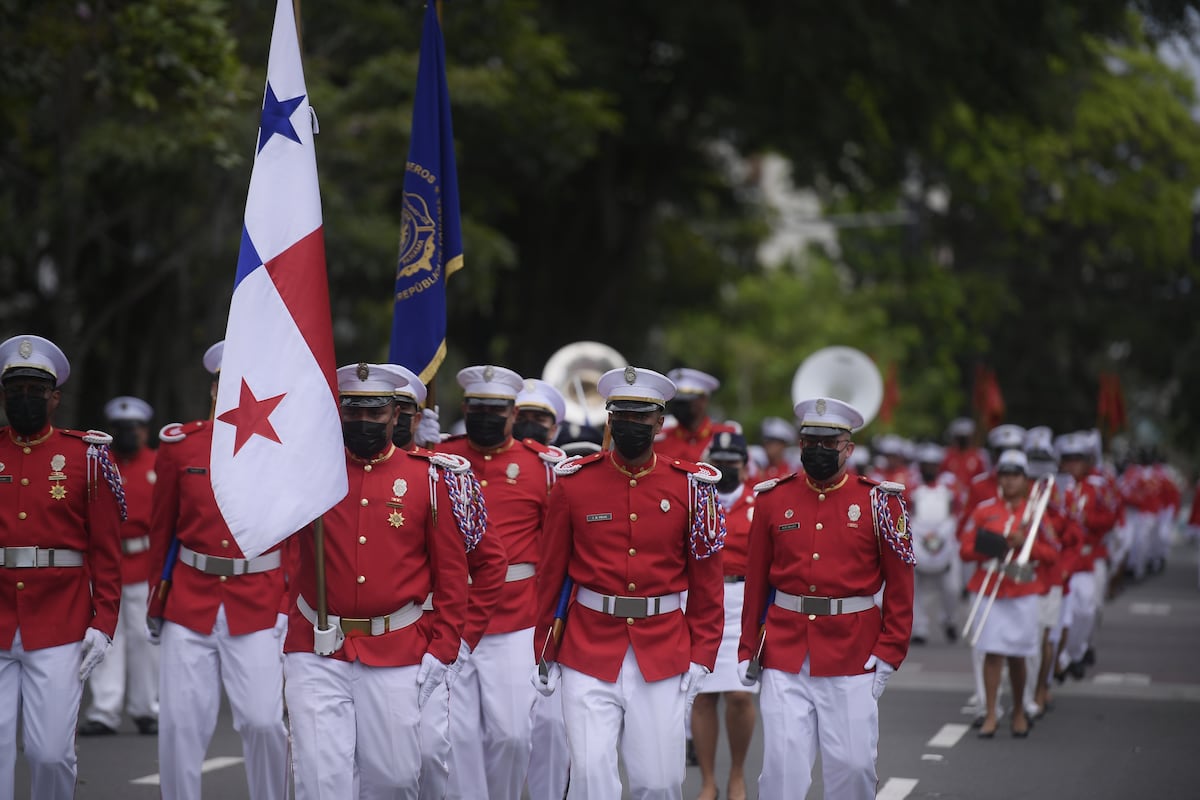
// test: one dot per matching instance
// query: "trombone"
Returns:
(1019, 570)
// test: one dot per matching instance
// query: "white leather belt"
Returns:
(428, 604)
(632, 607)
(217, 565)
(518, 572)
(374, 626)
(23, 557)
(822, 606)
(135, 544)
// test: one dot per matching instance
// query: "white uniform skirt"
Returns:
(724, 677)
(1011, 628)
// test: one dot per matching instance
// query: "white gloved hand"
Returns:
(431, 674)
(691, 682)
(742, 668)
(547, 686)
(429, 431)
(456, 668)
(95, 647)
(281, 625)
(154, 630)
(883, 671)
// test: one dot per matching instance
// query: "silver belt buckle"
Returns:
(20, 557)
(820, 606)
(215, 565)
(631, 607)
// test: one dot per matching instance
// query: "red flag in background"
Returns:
(1110, 403)
(987, 401)
(891, 395)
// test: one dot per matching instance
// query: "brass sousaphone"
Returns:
(574, 370)
(842, 373)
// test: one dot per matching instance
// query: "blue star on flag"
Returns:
(277, 117)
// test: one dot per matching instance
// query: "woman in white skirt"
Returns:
(1010, 632)
(728, 452)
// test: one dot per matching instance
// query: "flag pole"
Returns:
(431, 387)
(319, 523)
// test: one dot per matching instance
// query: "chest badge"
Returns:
(58, 491)
(512, 471)
(1, 466)
(853, 512)
(789, 514)
(665, 505)
(399, 487)
(151, 477)
(396, 519)
(57, 462)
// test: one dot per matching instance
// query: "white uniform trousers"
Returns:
(800, 712)
(1141, 524)
(940, 590)
(130, 670)
(643, 720)
(435, 745)
(349, 720)
(1082, 599)
(549, 759)
(193, 669)
(45, 683)
(490, 705)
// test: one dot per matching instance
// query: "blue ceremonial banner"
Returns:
(431, 232)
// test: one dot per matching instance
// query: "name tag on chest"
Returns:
(791, 526)
(599, 517)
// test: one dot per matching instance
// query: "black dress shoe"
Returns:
(147, 726)
(93, 727)
(1076, 670)
(951, 633)
(918, 640)
(1089, 658)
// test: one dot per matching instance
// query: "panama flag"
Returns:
(277, 455)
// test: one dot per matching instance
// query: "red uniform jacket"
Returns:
(983, 486)
(677, 441)
(385, 548)
(964, 464)
(1093, 504)
(805, 541)
(184, 508)
(46, 501)
(622, 533)
(516, 481)
(137, 476)
(995, 515)
(736, 553)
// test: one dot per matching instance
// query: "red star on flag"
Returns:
(252, 416)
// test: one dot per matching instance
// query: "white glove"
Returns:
(883, 671)
(154, 630)
(329, 640)
(456, 668)
(553, 675)
(742, 667)
(691, 682)
(429, 431)
(431, 674)
(95, 647)
(281, 622)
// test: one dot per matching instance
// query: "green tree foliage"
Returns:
(593, 145)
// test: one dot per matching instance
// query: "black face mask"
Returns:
(730, 478)
(365, 439)
(484, 429)
(125, 439)
(27, 414)
(632, 439)
(819, 464)
(402, 434)
(531, 429)
(682, 411)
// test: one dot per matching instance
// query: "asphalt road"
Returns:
(1128, 729)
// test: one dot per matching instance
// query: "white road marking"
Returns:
(220, 762)
(1122, 679)
(948, 736)
(1150, 609)
(896, 789)
(932, 757)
